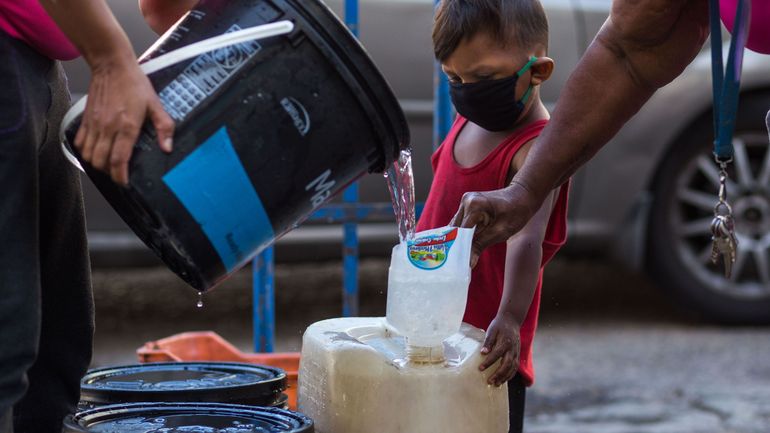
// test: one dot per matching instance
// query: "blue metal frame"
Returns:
(350, 196)
(443, 111)
(349, 213)
(442, 105)
(263, 302)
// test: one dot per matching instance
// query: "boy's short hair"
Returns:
(520, 21)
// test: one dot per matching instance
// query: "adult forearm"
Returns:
(601, 95)
(92, 27)
(120, 96)
(644, 45)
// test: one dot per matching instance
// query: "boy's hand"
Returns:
(502, 342)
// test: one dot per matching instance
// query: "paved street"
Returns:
(612, 354)
(615, 377)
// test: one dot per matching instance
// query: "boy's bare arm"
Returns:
(120, 96)
(522, 269)
(642, 46)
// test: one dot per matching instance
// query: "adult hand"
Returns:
(502, 342)
(120, 98)
(497, 215)
(162, 14)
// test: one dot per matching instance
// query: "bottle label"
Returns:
(431, 252)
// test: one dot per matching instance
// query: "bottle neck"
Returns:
(425, 355)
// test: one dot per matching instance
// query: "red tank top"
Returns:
(450, 182)
(28, 21)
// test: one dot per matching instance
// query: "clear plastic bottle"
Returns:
(428, 286)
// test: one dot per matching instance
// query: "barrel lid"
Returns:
(187, 417)
(225, 382)
(282, 401)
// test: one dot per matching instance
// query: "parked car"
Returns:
(645, 200)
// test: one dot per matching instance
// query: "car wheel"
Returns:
(680, 238)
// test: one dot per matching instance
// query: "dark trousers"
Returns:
(516, 396)
(46, 305)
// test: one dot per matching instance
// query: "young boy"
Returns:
(493, 52)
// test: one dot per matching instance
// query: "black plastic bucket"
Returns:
(186, 417)
(205, 382)
(266, 132)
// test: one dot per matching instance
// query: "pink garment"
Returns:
(759, 32)
(28, 21)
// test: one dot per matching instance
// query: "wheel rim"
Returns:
(749, 193)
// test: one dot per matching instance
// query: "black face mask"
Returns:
(491, 104)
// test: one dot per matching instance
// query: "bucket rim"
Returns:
(360, 61)
(270, 387)
(294, 422)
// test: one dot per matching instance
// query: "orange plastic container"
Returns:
(210, 346)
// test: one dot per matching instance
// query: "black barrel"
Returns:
(212, 382)
(266, 132)
(186, 417)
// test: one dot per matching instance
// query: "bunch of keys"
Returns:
(725, 243)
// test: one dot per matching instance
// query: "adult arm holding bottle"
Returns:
(120, 97)
(643, 45)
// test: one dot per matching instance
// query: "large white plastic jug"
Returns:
(354, 378)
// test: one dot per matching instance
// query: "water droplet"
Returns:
(200, 300)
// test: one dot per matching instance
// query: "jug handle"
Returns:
(255, 33)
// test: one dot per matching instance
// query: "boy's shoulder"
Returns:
(526, 139)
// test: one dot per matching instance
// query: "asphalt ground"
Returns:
(612, 353)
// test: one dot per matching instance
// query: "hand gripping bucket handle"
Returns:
(267, 131)
(173, 57)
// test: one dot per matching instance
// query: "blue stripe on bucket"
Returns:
(214, 187)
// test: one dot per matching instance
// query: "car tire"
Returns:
(685, 192)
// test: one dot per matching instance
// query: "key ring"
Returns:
(723, 183)
(722, 203)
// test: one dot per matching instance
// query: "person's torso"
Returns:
(28, 21)
(450, 182)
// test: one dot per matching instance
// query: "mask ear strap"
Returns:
(526, 67)
(526, 95)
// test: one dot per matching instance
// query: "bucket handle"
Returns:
(181, 54)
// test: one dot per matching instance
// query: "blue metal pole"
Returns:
(350, 245)
(263, 303)
(350, 262)
(351, 16)
(256, 300)
(442, 116)
(443, 112)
